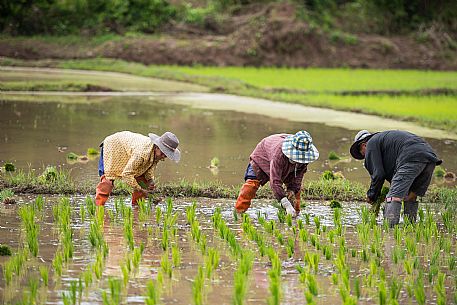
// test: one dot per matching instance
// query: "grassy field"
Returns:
(329, 79)
(313, 87)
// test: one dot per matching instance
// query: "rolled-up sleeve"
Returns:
(276, 167)
(294, 180)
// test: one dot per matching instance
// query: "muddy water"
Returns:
(36, 131)
(178, 289)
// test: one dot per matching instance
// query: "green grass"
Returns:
(311, 87)
(50, 86)
(433, 110)
(328, 79)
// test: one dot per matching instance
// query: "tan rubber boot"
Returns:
(103, 191)
(247, 192)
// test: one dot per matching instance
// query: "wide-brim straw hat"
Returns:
(361, 136)
(300, 148)
(168, 144)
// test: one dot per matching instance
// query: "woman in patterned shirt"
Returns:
(133, 158)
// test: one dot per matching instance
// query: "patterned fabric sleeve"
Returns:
(293, 182)
(276, 167)
(128, 175)
(149, 174)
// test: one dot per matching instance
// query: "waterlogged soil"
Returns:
(219, 289)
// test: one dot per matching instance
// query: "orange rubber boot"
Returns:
(247, 192)
(139, 195)
(297, 202)
(103, 190)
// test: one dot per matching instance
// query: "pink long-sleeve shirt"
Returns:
(270, 164)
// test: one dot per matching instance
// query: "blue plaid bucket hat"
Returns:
(300, 148)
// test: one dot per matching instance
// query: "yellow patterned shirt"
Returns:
(127, 155)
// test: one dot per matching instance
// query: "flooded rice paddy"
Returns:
(37, 131)
(198, 252)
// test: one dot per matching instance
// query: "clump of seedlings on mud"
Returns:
(7, 196)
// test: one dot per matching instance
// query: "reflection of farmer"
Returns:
(133, 158)
(403, 159)
(280, 159)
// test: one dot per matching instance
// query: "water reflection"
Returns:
(40, 133)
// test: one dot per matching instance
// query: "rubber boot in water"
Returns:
(103, 190)
(392, 212)
(410, 210)
(247, 193)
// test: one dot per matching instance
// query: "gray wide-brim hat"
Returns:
(300, 148)
(361, 136)
(168, 144)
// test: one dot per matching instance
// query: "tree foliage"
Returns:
(60, 17)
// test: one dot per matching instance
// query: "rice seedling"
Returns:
(165, 265)
(87, 276)
(419, 291)
(197, 287)
(328, 175)
(164, 240)
(95, 234)
(224, 231)
(38, 204)
(335, 204)
(114, 296)
(82, 213)
(92, 151)
(317, 223)
(27, 214)
(137, 253)
(72, 156)
(176, 256)
(241, 277)
(214, 162)
(128, 228)
(289, 220)
(97, 267)
(290, 247)
(158, 214)
(439, 171)
(274, 278)
(211, 261)
(152, 293)
(5, 250)
(9, 167)
(281, 215)
(125, 274)
(57, 263)
(7, 196)
(90, 206)
(44, 272)
(333, 156)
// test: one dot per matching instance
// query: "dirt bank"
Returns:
(263, 36)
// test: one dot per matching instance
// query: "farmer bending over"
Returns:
(403, 159)
(133, 158)
(280, 159)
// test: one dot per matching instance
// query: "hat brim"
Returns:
(304, 157)
(174, 155)
(355, 150)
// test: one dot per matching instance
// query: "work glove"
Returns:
(294, 198)
(285, 203)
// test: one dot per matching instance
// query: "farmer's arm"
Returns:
(294, 180)
(276, 166)
(374, 165)
(149, 174)
(130, 171)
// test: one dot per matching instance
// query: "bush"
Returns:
(74, 16)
